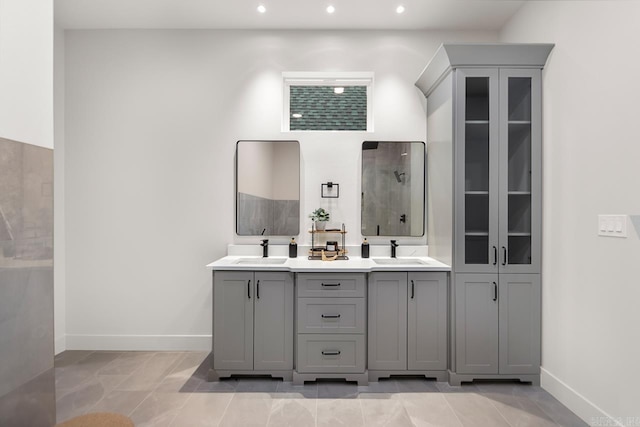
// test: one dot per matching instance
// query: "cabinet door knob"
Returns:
(258, 289)
(330, 285)
(413, 289)
(504, 255)
(330, 316)
(330, 352)
(495, 255)
(249, 289)
(495, 291)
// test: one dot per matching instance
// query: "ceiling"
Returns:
(285, 14)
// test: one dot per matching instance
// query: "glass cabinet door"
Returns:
(519, 170)
(477, 172)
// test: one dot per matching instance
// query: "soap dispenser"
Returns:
(293, 248)
(365, 248)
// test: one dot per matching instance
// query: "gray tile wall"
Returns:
(27, 383)
(384, 199)
(278, 217)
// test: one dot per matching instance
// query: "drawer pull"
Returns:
(331, 352)
(330, 316)
(331, 285)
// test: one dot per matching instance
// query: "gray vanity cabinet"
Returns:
(252, 323)
(484, 124)
(387, 324)
(498, 170)
(497, 324)
(476, 323)
(407, 324)
(331, 327)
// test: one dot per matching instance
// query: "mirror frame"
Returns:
(424, 191)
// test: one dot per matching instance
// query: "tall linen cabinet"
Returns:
(484, 142)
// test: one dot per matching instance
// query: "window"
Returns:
(328, 102)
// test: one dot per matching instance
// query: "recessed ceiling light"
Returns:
(331, 9)
(262, 9)
(400, 9)
(338, 89)
(296, 115)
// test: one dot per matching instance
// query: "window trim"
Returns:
(313, 78)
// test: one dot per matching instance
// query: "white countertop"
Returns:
(302, 264)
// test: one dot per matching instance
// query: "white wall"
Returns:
(59, 277)
(255, 160)
(591, 151)
(285, 167)
(152, 118)
(26, 77)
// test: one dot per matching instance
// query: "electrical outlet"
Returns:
(612, 225)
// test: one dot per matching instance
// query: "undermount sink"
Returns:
(402, 261)
(268, 261)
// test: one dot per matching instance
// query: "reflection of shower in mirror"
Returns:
(393, 197)
(398, 176)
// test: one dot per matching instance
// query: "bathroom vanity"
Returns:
(357, 319)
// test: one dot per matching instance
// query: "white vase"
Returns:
(320, 225)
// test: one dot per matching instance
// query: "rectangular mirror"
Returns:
(392, 201)
(267, 188)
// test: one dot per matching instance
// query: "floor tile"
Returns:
(70, 357)
(520, 411)
(444, 387)
(182, 378)
(556, 410)
(286, 388)
(257, 385)
(72, 375)
(248, 409)
(151, 372)
(202, 410)
(382, 386)
(163, 389)
(429, 409)
(223, 386)
(127, 363)
(474, 410)
(120, 402)
(159, 409)
(337, 390)
(416, 385)
(79, 400)
(293, 412)
(506, 387)
(339, 412)
(383, 412)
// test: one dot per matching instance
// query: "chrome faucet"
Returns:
(394, 245)
(265, 248)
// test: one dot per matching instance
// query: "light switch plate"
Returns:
(612, 225)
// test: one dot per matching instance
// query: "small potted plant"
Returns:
(320, 217)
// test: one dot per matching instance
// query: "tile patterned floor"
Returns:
(170, 389)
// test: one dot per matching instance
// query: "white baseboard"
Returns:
(580, 405)
(139, 342)
(59, 345)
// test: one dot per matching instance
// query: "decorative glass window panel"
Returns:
(328, 102)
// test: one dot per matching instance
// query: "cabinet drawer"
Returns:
(318, 353)
(331, 285)
(331, 315)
